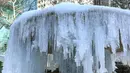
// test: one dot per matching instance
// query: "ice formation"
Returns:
(77, 36)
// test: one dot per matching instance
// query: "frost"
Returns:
(75, 39)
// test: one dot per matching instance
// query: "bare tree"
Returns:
(97, 2)
(102, 2)
(125, 4)
(14, 14)
(2, 2)
(29, 5)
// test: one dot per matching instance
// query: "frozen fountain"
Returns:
(81, 39)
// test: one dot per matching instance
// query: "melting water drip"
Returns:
(77, 36)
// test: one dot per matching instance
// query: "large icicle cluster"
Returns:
(76, 34)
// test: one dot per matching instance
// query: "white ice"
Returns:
(69, 29)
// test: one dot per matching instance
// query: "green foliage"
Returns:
(1, 66)
(7, 13)
(4, 36)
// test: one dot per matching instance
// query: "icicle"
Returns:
(76, 37)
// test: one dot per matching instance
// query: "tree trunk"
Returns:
(30, 5)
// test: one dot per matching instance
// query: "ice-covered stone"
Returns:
(75, 34)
